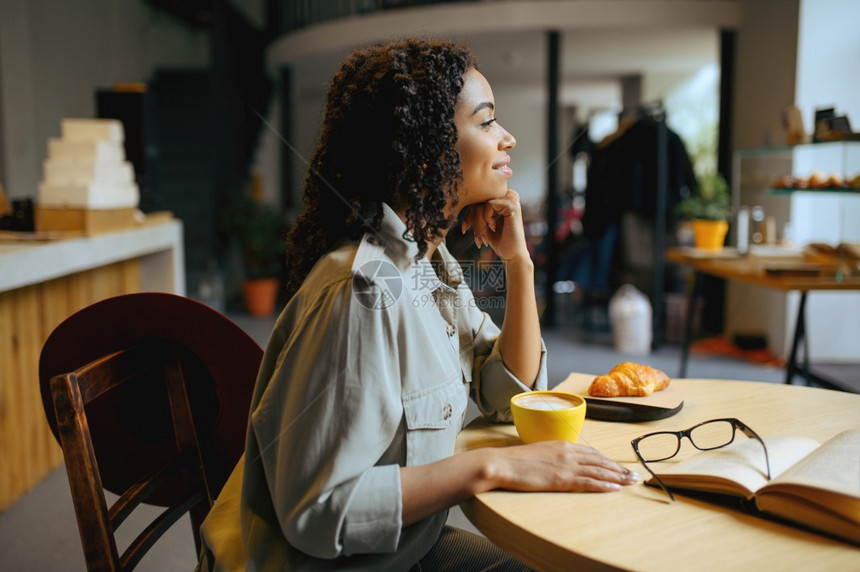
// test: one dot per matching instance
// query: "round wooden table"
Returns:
(638, 528)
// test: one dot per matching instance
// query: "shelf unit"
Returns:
(802, 216)
(815, 215)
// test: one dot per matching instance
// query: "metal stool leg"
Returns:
(688, 326)
(799, 336)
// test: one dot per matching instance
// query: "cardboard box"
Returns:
(88, 221)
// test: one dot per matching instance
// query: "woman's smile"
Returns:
(504, 168)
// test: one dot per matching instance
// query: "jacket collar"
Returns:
(444, 269)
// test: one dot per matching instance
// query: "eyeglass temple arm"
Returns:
(753, 435)
(663, 486)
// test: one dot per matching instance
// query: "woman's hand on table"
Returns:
(557, 466)
(545, 466)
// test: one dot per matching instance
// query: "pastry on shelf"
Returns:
(817, 180)
(834, 181)
(787, 182)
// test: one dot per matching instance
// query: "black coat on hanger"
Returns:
(622, 175)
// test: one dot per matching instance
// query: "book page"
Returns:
(834, 466)
(828, 478)
(822, 490)
(741, 463)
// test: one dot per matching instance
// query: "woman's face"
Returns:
(482, 143)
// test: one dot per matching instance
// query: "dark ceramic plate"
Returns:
(604, 410)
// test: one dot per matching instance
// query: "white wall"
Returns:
(693, 112)
(55, 54)
(766, 71)
(266, 164)
(309, 87)
(828, 59)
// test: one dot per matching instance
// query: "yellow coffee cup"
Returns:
(548, 415)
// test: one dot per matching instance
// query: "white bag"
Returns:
(630, 319)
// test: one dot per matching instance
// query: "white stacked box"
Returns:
(87, 172)
(86, 168)
(98, 196)
(93, 130)
(85, 151)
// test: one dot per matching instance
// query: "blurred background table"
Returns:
(786, 276)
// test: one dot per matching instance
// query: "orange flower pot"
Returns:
(260, 296)
(709, 234)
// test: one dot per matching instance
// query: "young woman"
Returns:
(363, 388)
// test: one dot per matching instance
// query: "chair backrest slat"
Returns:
(136, 494)
(111, 371)
(156, 529)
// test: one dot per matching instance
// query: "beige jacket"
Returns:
(368, 368)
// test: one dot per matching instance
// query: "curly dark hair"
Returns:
(388, 136)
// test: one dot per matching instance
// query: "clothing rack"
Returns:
(657, 304)
(641, 169)
(657, 112)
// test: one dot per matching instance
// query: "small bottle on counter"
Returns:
(743, 230)
(788, 234)
(769, 232)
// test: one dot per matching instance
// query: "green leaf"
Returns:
(711, 202)
(260, 231)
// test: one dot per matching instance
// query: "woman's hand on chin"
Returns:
(498, 223)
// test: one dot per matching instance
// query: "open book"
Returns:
(815, 485)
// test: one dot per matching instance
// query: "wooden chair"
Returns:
(148, 396)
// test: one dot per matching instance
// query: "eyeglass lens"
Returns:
(664, 445)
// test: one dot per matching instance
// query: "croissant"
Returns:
(629, 379)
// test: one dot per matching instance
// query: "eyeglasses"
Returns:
(705, 436)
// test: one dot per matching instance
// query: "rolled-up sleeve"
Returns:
(493, 384)
(373, 522)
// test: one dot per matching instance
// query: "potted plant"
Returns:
(259, 230)
(708, 211)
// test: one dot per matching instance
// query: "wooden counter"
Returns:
(42, 283)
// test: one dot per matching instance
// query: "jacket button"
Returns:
(446, 411)
(451, 330)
